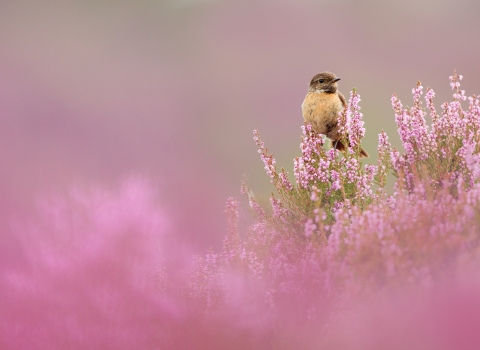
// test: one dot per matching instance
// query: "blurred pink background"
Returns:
(92, 92)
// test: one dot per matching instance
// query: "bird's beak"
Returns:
(336, 79)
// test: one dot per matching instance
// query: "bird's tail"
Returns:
(338, 144)
(363, 153)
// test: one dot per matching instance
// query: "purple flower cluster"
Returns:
(280, 180)
(335, 234)
(437, 152)
(267, 158)
(354, 127)
(307, 167)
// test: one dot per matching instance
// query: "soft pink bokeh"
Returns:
(88, 271)
(93, 92)
(93, 275)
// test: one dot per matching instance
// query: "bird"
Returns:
(322, 106)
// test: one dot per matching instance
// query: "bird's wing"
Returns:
(342, 98)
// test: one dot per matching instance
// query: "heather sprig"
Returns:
(354, 119)
(437, 153)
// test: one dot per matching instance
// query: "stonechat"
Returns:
(322, 106)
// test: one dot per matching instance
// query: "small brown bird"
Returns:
(321, 107)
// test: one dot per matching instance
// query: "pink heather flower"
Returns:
(417, 92)
(453, 128)
(404, 128)
(455, 85)
(355, 128)
(472, 115)
(430, 94)
(365, 182)
(454, 81)
(418, 141)
(256, 207)
(391, 201)
(267, 158)
(305, 167)
(323, 170)
(343, 121)
(383, 144)
(384, 151)
(285, 182)
(332, 154)
(336, 185)
(338, 206)
(451, 124)
(351, 170)
(278, 209)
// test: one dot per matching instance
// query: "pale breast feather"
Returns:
(320, 110)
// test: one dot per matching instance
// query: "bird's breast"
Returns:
(320, 109)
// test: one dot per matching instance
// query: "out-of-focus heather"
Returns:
(93, 91)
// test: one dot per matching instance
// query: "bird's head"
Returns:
(324, 82)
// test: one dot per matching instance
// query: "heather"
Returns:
(341, 255)
(336, 238)
(86, 278)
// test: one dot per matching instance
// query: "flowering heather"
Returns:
(335, 239)
(437, 153)
(332, 260)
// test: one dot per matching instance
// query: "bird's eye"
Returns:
(321, 81)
